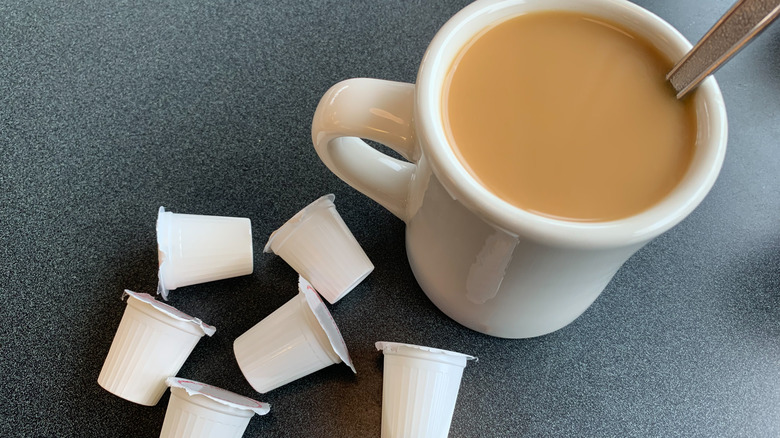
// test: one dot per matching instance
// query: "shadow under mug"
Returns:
(487, 264)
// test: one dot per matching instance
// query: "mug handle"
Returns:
(377, 110)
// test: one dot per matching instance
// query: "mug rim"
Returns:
(461, 185)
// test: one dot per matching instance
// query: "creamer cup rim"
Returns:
(170, 311)
(393, 347)
(326, 321)
(161, 288)
(219, 395)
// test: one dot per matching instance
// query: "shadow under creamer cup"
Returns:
(490, 265)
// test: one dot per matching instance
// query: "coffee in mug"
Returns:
(568, 115)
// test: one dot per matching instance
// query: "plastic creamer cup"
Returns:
(318, 245)
(296, 340)
(195, 249)
(419, 389)
(197, 410)
(151, 344)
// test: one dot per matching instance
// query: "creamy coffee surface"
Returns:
(568, 116)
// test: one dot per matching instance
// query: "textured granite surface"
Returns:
(110, 109)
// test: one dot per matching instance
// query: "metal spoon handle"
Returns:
(745, 20)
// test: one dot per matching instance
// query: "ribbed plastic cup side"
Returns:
(283, 347)
(145, 351)
(418, 396)
(325, 252)
(206, 248)
(197, 416)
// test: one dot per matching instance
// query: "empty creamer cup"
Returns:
(195, 249)
(197, 410)
(318, 245)
(296, 340)
(151, 344)
(419, 389)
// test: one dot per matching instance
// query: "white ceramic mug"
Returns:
(489, 265)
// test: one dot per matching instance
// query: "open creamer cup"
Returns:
(318, 245)
(151, 344)
(195, 249)
(296, 340)
(197, 410)
(419, 389)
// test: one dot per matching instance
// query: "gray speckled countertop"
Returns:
(110, 109)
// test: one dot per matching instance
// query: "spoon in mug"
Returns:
(735, 29)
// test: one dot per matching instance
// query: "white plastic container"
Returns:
(151, 344)
(419, 389)
(296, 340)
(197, 410)
(318, 245)
(195, 249)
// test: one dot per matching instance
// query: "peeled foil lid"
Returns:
(161, 255)
(326, 321)
(161, 290)
(290, 226)
(170, 311)
(393, 347)
(219, 395)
